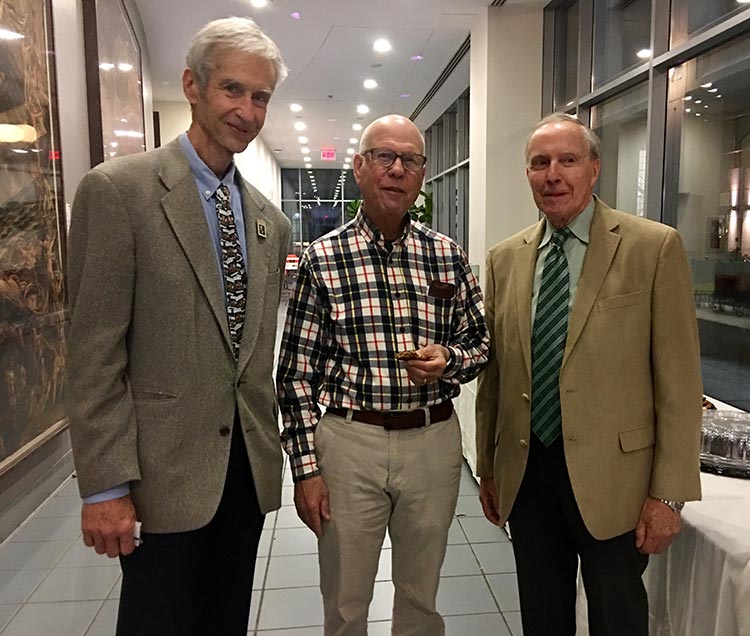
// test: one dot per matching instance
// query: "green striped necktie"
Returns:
(548, 341)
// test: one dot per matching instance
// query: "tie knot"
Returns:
(560, 236)
(222, 193)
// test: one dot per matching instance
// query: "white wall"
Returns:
(257, 164)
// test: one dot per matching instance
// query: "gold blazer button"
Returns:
(525, 396)
(523, 443)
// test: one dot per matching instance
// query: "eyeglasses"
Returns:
(385, 159)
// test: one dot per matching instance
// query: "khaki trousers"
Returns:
(405, 481)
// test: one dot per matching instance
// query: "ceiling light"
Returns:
(295, 15)
(717, 96)
(381, 45)
(370, 83)
(302, 140)
(106, 66)
(687, 110)
(308, 165)
(305, 150)
(299, 125)
(295, 108)
(713, 90)
(363, 109)
(350, 151)
(346, 166)
(5, 34)
(259, 4)
(353, 140)
(356, 126)
(707, 85)
(644, 54)
(698, 101)
(348, 160)
(124, 66)
(405, 96)
(743, 1)
(697, 114)
(687, 98)
(416, 58)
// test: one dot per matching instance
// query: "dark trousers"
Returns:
(197, 583)
(549, 536)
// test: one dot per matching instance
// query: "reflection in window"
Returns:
(622, 37)
(691, 16)
(709, 109)
(316, 202)
(566, 62)
(621, 122)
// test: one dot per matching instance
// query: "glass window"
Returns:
(289, 183)
(622, 37)
(692, 16)
(708, 152)
(566, 57)
(621, 122)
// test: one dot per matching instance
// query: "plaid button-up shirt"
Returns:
(356, 303)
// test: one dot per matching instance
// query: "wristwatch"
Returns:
(677, 506)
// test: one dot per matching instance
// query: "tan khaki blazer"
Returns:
(630, 379)
(152, 380)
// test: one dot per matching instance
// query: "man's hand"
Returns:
(429, 366)
(311, 501)
(657, 527)
(488, 499)
(108, 526)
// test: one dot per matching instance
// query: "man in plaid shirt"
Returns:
(386, 321)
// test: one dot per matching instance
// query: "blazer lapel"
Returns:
(258, 256)
(184, 211)
(603, 243)
(524, 264)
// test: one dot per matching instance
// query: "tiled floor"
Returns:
(51, 585)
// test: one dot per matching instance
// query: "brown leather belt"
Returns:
(398, 420)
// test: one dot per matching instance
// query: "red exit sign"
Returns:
(328, 154)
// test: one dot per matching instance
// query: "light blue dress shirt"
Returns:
(207, 183)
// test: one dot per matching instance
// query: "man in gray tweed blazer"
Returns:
(175, 272)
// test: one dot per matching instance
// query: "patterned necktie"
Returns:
(233, 268)
(548, 341)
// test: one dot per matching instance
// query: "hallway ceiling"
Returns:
(329, 51)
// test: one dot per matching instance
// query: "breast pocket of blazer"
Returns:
(619, 301)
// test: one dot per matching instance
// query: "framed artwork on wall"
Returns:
(33, 315)
(114, 81)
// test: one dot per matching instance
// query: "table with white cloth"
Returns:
(701, 585)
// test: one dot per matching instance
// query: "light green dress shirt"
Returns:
(575, 251)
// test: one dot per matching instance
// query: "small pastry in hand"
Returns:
(408, 355)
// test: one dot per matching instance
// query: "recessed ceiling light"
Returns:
(259, 4)
(346, 166)
(356, 126)
(370, 83)
(713, 90)
(299, 125)
(698, 101)
(347, 160)
(295, 108)
(305, 150)
(353, 140)
(295, 15)
(707, 85)
(381, 45)
(687, 110)
(717, 96)
(302, 140)
(5, 34)
(416, 58)
(106, 66)
(363, 109)
(687, 98)
(405, 96)
(350, 151)
(333, 121)
(308, 165)
(644, 54)
(124, 66)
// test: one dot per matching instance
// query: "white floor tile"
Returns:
(270, 521)
(469, 506)
(31, 555)
(6, 613)
(459, 561)
(60, 507)
(106, 620)
(495, 558)
(81, 556)
(299, 570)
(385, 564)
(379, 628)
(476, 625)
(288, 518)
(302, 607)
(287, 496)
(505, 589)
(69, 488)
(261, 566)
(76, 584)
(456, 534)
(48, 529)
(46, 619)
(288, 541)
(465, 595)
(17, 585)
(381, 607)
(264, 545)
(115, 593)
(514, 621)
(299, 631)
(479, 530)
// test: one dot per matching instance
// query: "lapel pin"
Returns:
(260, 229)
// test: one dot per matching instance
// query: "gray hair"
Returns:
(589, 135)
(235, 34)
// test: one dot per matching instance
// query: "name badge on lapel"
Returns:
(260, 229)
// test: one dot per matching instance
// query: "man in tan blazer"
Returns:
(587, 430)
(175, 272)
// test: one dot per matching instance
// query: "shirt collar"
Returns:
(207, 181)
(579, 226)
(372, 233)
